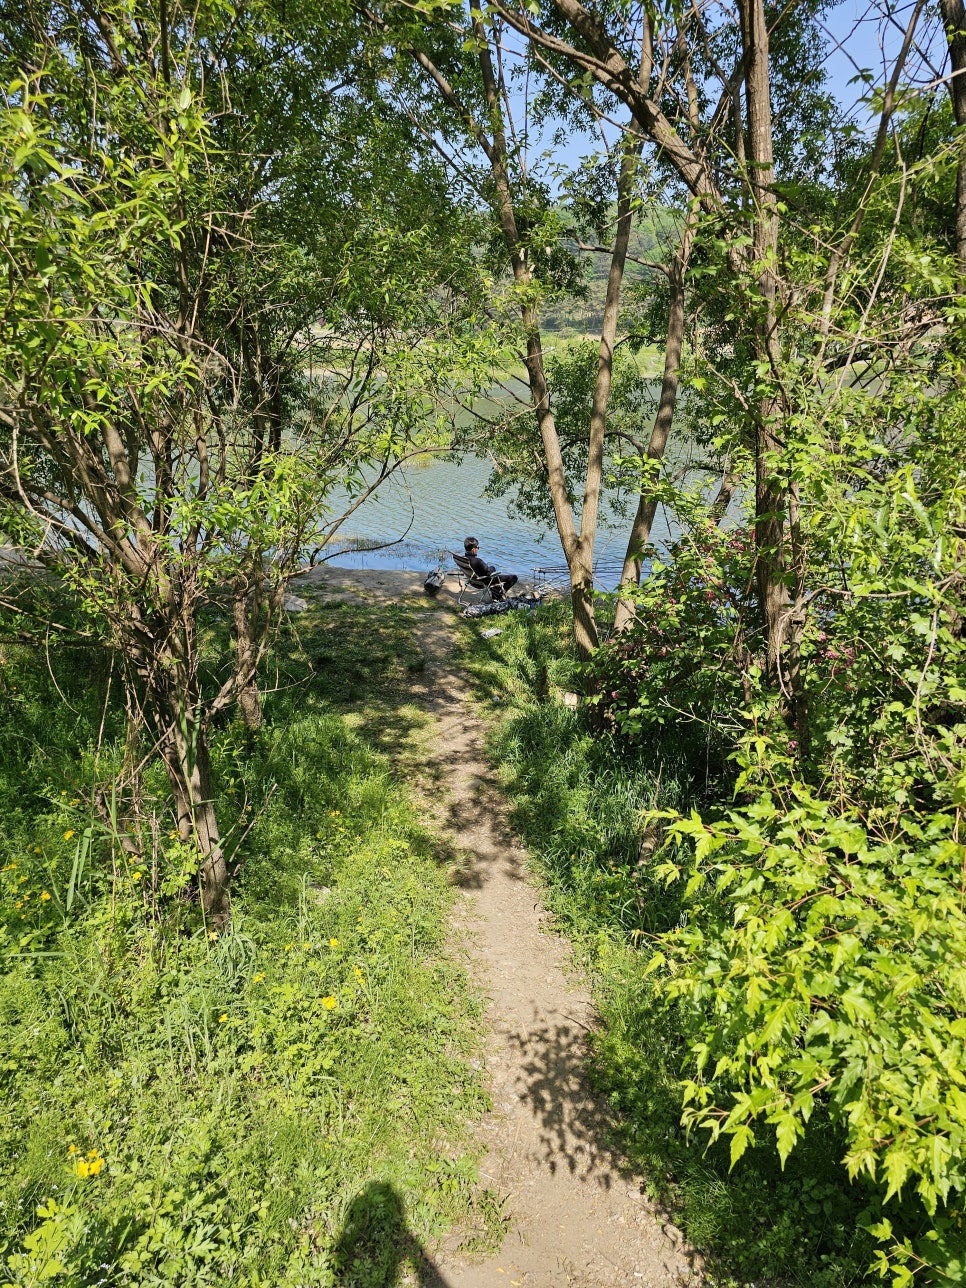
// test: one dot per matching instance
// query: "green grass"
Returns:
(284, 1103)
(578, 802)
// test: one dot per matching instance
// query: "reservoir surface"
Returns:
(427, 509)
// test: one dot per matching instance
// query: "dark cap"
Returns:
(469, 542)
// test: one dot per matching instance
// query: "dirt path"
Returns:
(575, 1217)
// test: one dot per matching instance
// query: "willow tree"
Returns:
(467, 81)
(680, 82)
(186, 246)
(707, 115)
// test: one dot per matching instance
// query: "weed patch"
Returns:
(183, 1106)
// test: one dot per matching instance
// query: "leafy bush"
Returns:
(680, 662)
(819, 966)
(822, 960)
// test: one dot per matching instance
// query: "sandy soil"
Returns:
(575, 1216)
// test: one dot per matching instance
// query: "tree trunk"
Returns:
(954, 21)
(245, 609)
(213, 874)
(726, 490)
(797, 619)
(579, 566)
(582, 569)
(183, 744)
(646, 506)
(769, 486)
(586, 636)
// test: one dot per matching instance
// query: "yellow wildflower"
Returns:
(287, 947)
(329, 1003)
(222, 1019)
(89, 1166)
(135, 876)
(68, 834)
(333, 943)
(44, 895)
(257, 979)
(72, 1149)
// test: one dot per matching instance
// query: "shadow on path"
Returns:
(571, 1128)
(376, 1248)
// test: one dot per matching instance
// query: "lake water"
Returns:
(429, 509)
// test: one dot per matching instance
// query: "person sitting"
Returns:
(483, 572)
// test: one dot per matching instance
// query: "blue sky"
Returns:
(861, 38)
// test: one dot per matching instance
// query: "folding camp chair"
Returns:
(473, 589)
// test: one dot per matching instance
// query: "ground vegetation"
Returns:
(283, 1100)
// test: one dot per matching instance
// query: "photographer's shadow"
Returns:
(376, 1249)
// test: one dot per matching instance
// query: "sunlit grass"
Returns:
(185, 1106)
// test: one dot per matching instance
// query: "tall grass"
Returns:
(182, 1106)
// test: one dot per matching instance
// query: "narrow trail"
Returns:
(575, 1217)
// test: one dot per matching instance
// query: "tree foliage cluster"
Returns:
(235, 281)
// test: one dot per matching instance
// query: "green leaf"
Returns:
(741, 1137)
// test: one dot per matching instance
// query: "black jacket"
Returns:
(480, 569)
